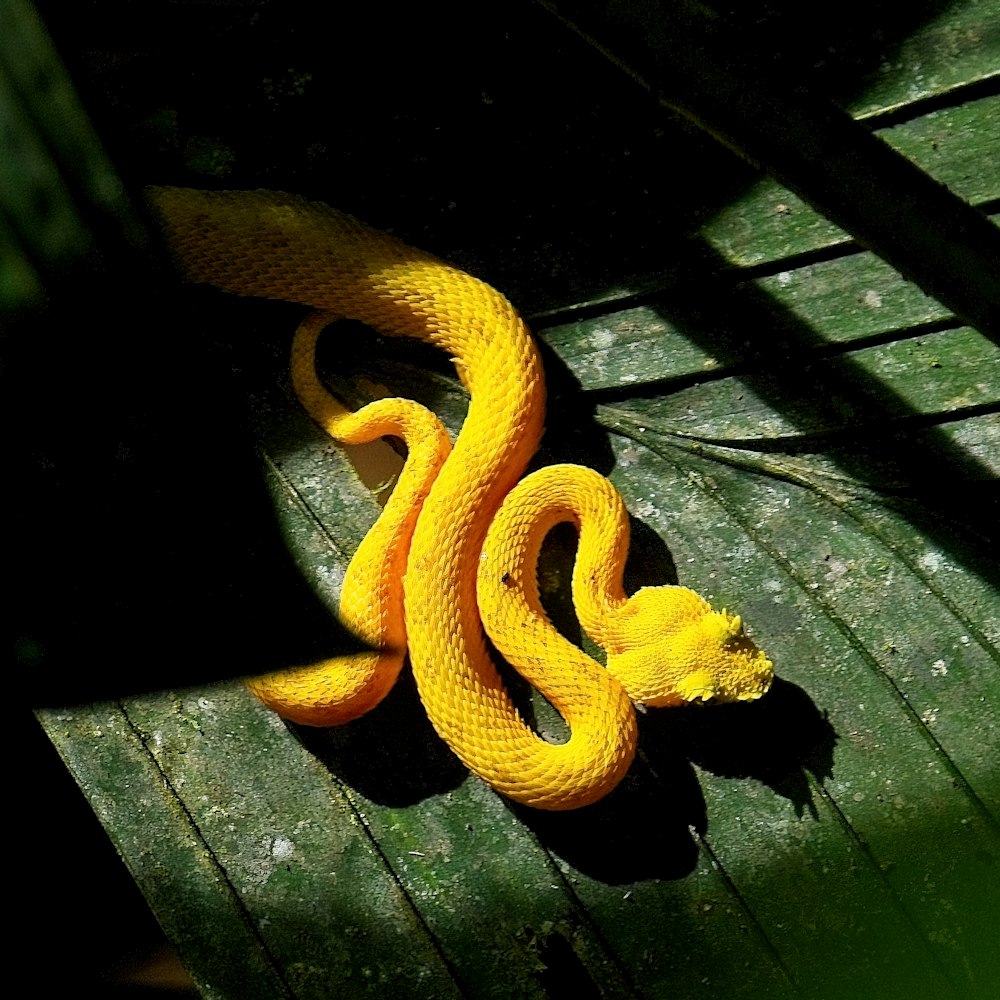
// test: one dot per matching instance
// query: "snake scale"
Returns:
(455, 550)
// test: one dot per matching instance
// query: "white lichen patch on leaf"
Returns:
(282, 848)
(836, 569)
(601, 338)
(263, 856)
(931, 561)
(644, 509)
(332, 575)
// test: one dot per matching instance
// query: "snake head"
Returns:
(671, 648)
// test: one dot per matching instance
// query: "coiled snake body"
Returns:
(456, 548)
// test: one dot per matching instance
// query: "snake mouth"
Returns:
(747, 692)
(706, 701)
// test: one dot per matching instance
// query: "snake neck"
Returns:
(270, 244)
(559, 494)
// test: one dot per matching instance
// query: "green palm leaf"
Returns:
(802, 436)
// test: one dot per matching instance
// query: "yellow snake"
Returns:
(455, 550)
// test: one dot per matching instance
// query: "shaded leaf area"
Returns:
(524, 156)
(844, 50)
